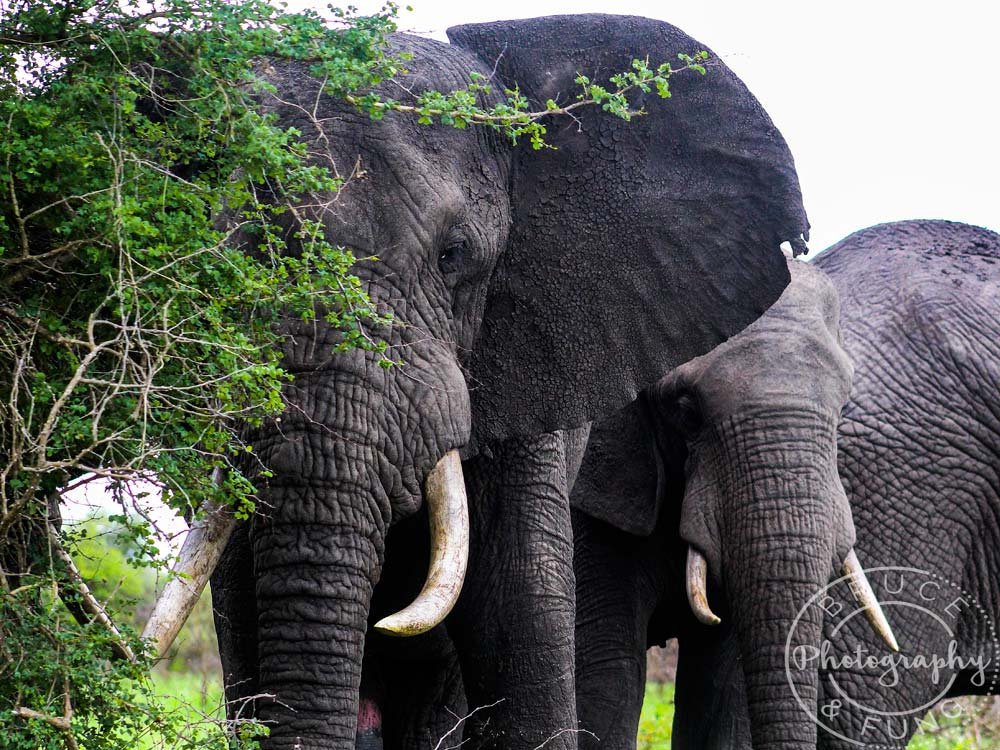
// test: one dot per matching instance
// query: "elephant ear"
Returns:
(635, 246)
(619, 479)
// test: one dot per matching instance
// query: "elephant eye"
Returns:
(453, 256)
(687, 413)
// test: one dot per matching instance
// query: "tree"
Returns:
(136, 335)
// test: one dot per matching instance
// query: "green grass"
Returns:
(200, 694)
(656, 723)
(657, 719)
(967, 724)
(193, 698)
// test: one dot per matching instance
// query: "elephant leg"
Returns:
(235, 611)
(513, 626)
(611, 622)
(423, 699)
(710, 703)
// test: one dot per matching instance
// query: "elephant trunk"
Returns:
(318, 548)
(782, 528)
(314, 587)
(778, 582)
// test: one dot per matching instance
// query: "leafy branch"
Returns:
(461, 108)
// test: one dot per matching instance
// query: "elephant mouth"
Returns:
(448, 511)
(369, 723)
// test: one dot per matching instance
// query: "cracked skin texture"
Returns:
(919, 443)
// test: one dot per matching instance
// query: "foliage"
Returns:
(513, 117)
(145, 262)
(136, 333)
(106, 554)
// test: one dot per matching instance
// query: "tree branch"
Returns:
(63, 723)
(89, 608)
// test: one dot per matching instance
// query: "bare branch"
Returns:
(561, 732)
(461, 721)
(90, 605)
(63, 723)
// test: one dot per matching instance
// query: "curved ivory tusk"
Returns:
(448, 509)
(864, 595)
(199, 555)
(697, 585)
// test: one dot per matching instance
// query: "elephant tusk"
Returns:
(199, 555)
(697, 588)
(448, 510)
(864, 595)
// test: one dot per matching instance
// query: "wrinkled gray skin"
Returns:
(733, 453)
(919, 457)
(919, 446)
(533, 292)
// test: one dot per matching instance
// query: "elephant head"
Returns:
(751, 430)
(531, 292)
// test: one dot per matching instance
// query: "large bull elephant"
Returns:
(532, 293)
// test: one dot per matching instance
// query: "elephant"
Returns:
(918, 455)
(726, 468)
(533, 292)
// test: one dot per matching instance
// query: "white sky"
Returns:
(891, 109)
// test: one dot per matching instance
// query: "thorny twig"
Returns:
(63, 723)
(461, 721)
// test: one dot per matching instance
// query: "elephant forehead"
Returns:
(399, 194)
(403, 181)
(804, 317)
(400, 170)
(792, 352)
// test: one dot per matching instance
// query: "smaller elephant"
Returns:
(733, 456)
(919, 458)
